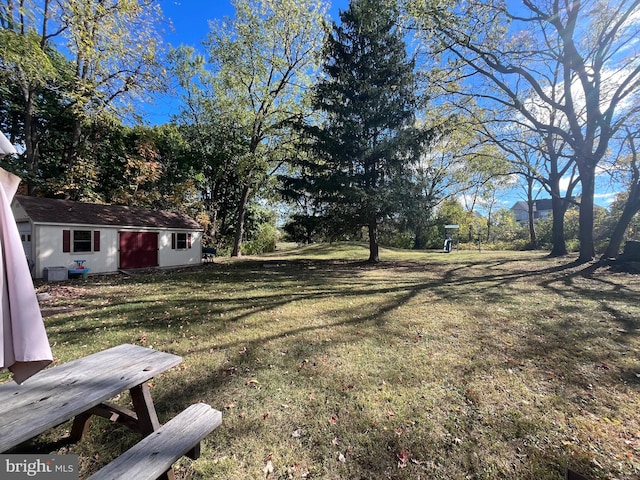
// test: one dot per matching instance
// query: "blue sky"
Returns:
(190, 18)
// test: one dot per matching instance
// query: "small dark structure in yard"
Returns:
(208, 253)
(450, 230)
(629, 260)
(571, 475)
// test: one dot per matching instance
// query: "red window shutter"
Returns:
(96, 241)
(188, 240)
(66, 240)
(173, 241)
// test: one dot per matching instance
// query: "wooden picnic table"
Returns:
(79, 389)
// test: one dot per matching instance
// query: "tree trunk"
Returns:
(559, 205)
(76, 140)
(242, 208)
(374, 254)
(419, 242)
(558, 243)
(585, 232)
(618, 232)
(30, 140)
(213, 226)
(71, 156)
(631, 207)
(533, 241)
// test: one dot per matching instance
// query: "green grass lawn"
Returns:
(470, 365)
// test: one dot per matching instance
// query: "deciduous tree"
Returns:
(578, 59)
(631, 206)
(261, 63)
(96, 55)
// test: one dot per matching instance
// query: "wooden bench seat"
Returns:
(153, 456)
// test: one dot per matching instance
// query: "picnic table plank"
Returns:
(58, 394)
(153, 456)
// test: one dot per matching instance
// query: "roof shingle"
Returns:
(50, 210)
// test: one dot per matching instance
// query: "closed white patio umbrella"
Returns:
(6, 148)
(24, 347)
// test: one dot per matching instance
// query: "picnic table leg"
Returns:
(147, 416)
(81, 424)
(143, 406)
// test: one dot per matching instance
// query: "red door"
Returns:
(138, 249)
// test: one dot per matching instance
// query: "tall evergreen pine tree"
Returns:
(367, 102)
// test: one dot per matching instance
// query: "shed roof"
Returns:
(540, 205)
(543, 204)
(51, 210)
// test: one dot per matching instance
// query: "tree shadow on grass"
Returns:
(266, 286)
(545, 341)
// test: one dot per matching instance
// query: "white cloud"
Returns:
(605, 199)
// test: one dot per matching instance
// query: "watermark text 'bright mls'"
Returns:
(50, 467)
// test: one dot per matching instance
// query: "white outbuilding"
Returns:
(102, 238)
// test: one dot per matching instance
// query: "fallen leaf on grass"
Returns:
(268, 469)
(297, 471)
(403, 458)
(335, 441)
(342, 458)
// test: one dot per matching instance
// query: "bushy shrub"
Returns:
(520, 244)
(264, 241)
(517, 244)
(397, 239)
(573, 245)
(467, 246)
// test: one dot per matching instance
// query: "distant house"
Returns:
(56, 233)
(541, 209)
